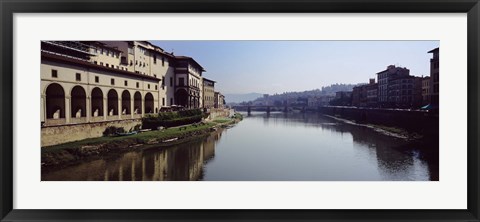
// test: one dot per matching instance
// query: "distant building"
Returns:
(219, 100)
(343, 95)
(384, 77)
(426, 96)
(342, 98)
(208, 93)
(359, 96)
(372, 94)
(405, 91)
(434, 76)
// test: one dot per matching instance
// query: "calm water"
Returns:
(277, 147)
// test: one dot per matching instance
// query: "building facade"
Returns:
(208, 93)
(405, 91)
(75, 89)
(359, 96)
(95, 81)
(372, 93)
(434, 75)
(384, 77)
(219, 100)
(426, 96)
(188, 82)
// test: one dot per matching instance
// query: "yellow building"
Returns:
(97, 81)
(75, 89)
(208, 93)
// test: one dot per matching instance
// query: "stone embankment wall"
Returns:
(214, 113)
(53, 135)
(426, 123)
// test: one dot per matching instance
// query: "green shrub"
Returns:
(112, 131)
(171, 119)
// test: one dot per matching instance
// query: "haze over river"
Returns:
(275, 147)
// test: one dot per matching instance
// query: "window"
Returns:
(181, 81)
(96, 79)
(163, 81)
(95, 62)
(101, 63)
(112, 82)
(136, 62)
(163, 101)
(54, 73)
(78, 77)
(171, 101)
(113, 66)
(126, 83)
(148, 86)
(138, 84)
(106, 64)
(171, 81)
(154, 59)
(131, 62)
(156, 87)
(163, 61)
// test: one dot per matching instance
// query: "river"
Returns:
(274, 147)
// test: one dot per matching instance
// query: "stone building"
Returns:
(404, 91)
(384, 77)
(78, 86)
(359, 96)
(434, 76)
(426, 96)
(188, 82)
(98, 81)
(219, 100)
(142, 57)
(372, 93)
(208, 93)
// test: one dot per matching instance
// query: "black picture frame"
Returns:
(9, 7)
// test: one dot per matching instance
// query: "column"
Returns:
(43, 102)
(143, 106)
(89, 109)
(105, 108)
(67, 109)
(131, 105)
(119, 107)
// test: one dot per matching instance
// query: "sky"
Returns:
(285, 66)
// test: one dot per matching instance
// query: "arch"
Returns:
(126, 105)
(79, 102)
(181, 97)
(112, 103)
(55, 101)
(137, 103)
(97, 102)
(148, 103)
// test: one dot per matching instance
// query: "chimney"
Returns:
(372, 81)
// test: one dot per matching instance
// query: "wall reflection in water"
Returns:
(179, 162)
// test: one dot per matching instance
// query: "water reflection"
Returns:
(275, 147)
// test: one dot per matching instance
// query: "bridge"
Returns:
(267, 108)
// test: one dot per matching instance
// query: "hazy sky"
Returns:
(281, 66)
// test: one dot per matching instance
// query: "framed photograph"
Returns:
(227, 110)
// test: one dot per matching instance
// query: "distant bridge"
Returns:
(267, 108)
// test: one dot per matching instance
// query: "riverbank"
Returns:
(385, 130)
(74, 152)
